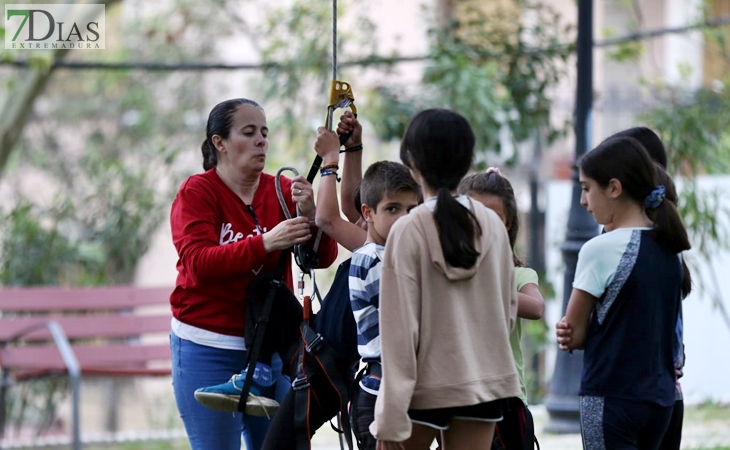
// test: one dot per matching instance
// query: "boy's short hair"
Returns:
(384, 177)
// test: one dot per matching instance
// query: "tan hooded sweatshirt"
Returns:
(444, 330)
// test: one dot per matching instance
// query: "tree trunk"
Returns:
(19, 103)
(445, 12)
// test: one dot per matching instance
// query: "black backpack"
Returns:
(323, 367)
(335, 321)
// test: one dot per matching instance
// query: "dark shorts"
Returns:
(441, 418)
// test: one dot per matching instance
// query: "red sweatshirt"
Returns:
(221, 249)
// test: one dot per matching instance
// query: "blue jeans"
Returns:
(195, 366)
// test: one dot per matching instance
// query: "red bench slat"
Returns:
(68, 299)
(20, 375)
(107, 314)
(89, 326)
(113, 356)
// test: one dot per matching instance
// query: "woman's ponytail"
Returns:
(457, 227)
(210, 158)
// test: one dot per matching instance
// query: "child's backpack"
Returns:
(335, 321)
(322, 370)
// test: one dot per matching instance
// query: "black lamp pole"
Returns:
(562, 398)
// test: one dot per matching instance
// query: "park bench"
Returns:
(75, 332)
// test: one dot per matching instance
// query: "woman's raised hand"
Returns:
(302, 194)
(287, 234)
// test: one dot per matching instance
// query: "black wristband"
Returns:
(354, 148)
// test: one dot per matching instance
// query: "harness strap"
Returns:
(300, 386)
(325, 356)
(302, 404)
(316, 358)
(374, 368)
(258, 339)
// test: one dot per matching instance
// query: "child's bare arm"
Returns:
(573, 328)
(328, 217)
(530, 304)
(351, 165)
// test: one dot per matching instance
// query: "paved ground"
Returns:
(702, 430)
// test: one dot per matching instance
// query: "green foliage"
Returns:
(93, 174)
(33, 254)
(696, 131)
(708, 411)
(302, 65)
(499, 77)
(695, 128)
(497, 69)
(106, 143)
(390, 110)
(627, 51)
(295, 43)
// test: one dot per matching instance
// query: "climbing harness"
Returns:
(307, 260)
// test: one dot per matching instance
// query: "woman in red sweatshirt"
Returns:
(228, 228)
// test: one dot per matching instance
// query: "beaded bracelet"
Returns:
(330, 166)
(325, 172)
(354, 148)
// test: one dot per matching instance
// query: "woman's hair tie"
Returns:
(494, 170)
(655, 199)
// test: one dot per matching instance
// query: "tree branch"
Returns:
(641, 35)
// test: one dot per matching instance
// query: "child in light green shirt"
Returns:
(495, 192)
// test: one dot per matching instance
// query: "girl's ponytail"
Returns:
(439, 145)
(652, 204)
(668, 227)
(457, 227)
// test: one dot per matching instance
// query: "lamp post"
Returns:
(562, 398)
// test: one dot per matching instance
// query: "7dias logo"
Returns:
(48, 27)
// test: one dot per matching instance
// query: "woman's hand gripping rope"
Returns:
(296, 230)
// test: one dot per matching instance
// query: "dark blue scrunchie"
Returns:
(654, 199)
